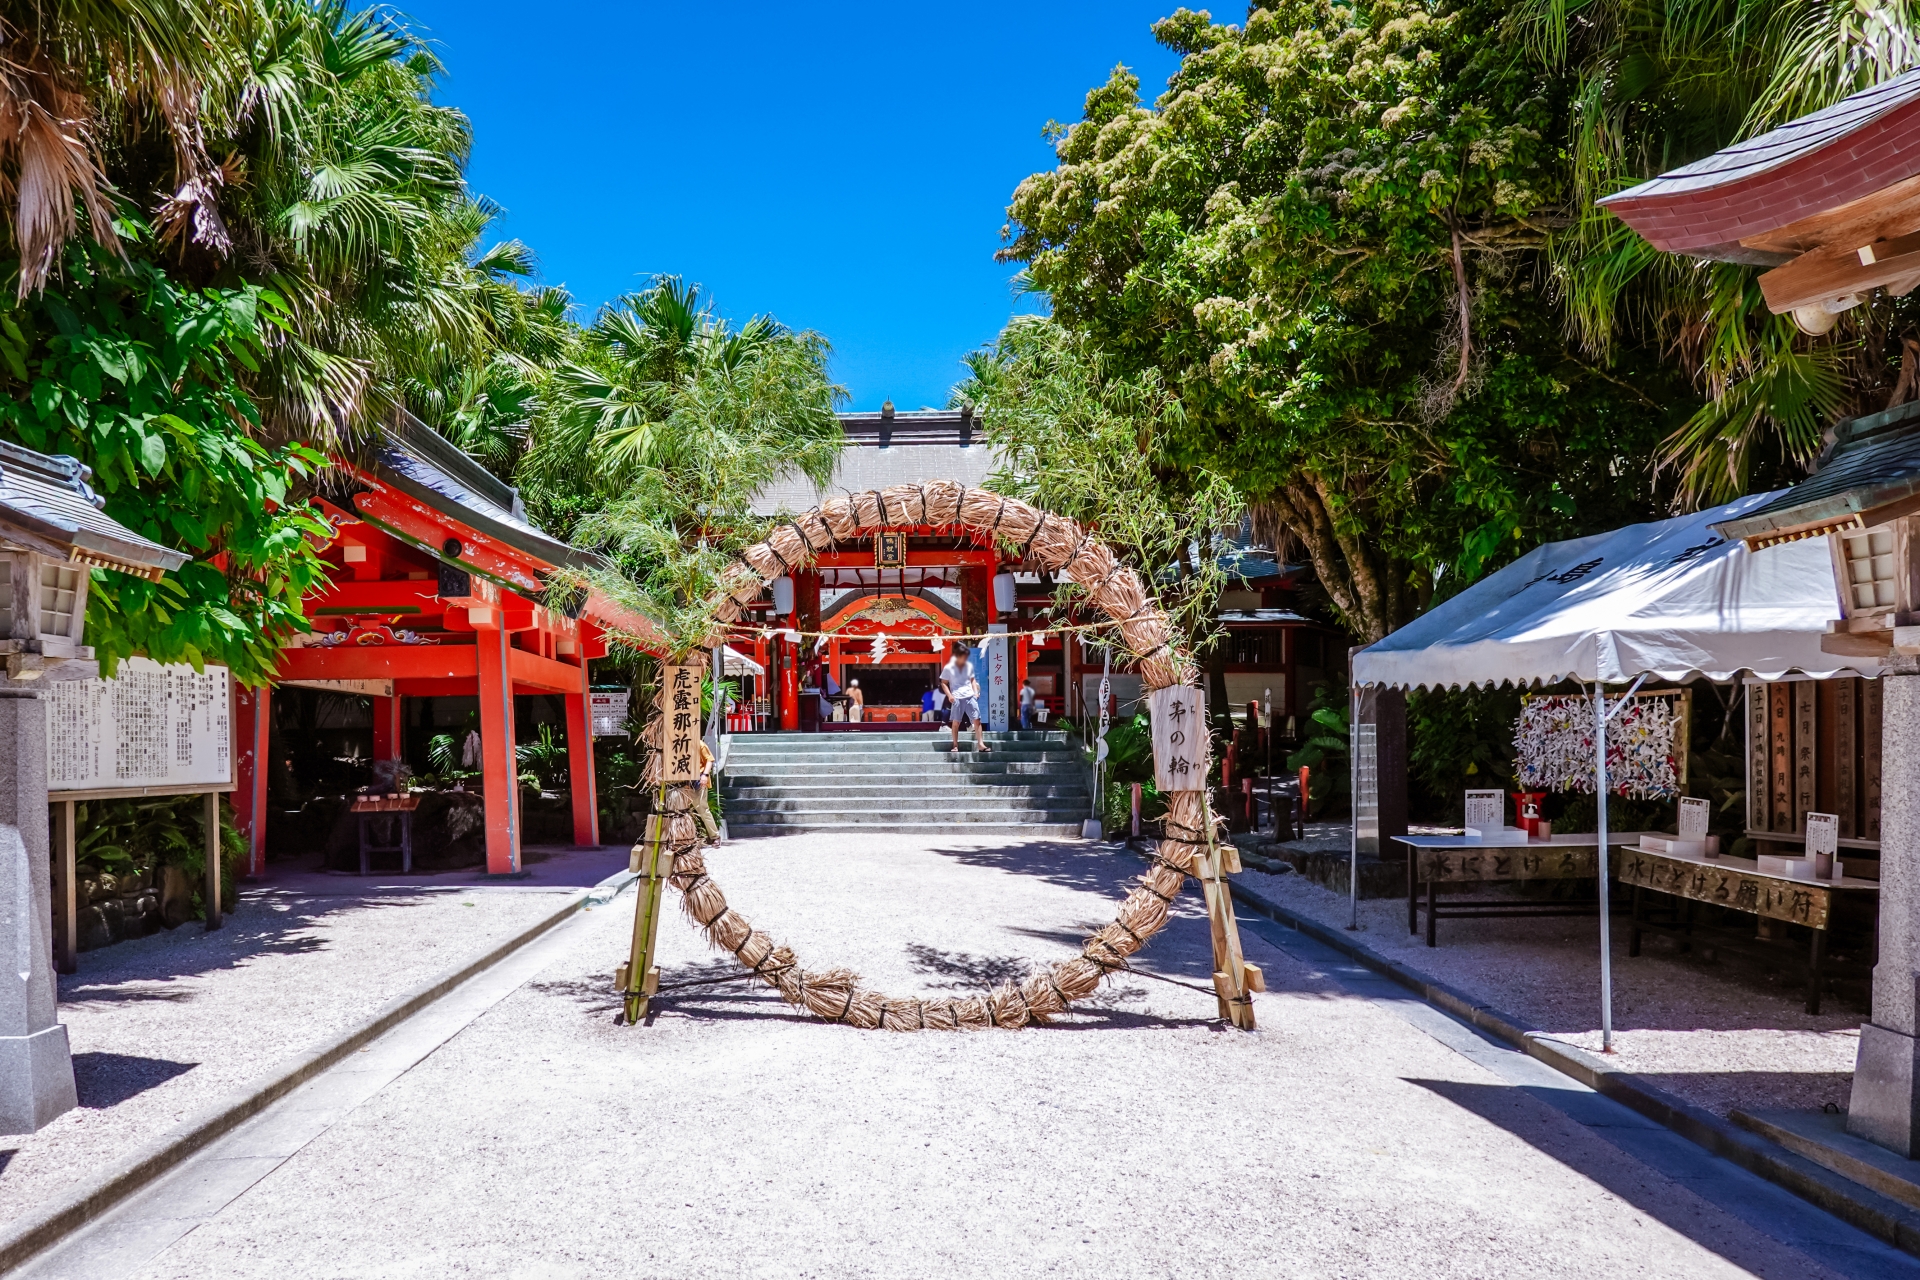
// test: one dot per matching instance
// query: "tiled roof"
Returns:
(427, 466)
(1854, 148)
(911, 448)
(47, 501)
(1873, 460)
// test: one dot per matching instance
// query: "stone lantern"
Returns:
(52, 535)
(1864, 499)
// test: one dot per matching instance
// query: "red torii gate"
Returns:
(436, 577)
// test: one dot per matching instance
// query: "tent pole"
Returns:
(1353, 804)
(1600, 803)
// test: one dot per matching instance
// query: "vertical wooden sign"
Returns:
(1179, 717)
(1758, 807)
(1804, 752)
(1846, 749)
(680, 724)
(1780, 756)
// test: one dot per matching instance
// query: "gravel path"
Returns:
(732, 1137)
(165, 1025)
(1717, 1043)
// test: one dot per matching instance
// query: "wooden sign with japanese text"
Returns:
(1179, 717)
(1774, 897)
(680, 720)
(148, 728)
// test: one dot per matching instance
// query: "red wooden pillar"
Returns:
(388, 735)
(586, 800)
(252, 735)
(499, 771)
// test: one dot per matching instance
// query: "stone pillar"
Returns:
(36, 1068)
(1886, 1075)
(1386, 711)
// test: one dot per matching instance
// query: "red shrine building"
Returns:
(440, 590)
(884, 613)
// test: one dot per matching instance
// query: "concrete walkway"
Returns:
(166, 1025)
(515, 1130)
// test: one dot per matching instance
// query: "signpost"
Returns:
(152, 730)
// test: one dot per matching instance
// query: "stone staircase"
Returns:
(1030, 784)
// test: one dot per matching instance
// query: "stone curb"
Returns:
(32, 1235)
(1859, 1206)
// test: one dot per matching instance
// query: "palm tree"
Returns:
(1659, 83)
(652, 437)
(71, 73)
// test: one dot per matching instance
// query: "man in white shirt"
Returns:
(963, 689)
(1026, 704)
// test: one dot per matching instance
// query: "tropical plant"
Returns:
(1076, 440)
(78, 75)
(1325, 751)
(137, 377)
(1659, 85)
(653, 440)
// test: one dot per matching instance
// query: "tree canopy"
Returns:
(1329, 237)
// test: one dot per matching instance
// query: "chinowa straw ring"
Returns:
(1058, 545)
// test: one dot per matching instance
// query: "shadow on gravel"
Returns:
(109, 1079)
(1546, 1129)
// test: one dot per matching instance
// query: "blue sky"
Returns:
(845, 167)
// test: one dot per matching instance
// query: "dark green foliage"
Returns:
(137, 377)
(1326, 752)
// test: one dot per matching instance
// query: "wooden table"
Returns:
(1437, 860)
(1737, 883)
(399, 808)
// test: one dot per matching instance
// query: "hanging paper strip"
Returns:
(1553, 747)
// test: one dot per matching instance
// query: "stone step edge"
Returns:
(1857, 1205)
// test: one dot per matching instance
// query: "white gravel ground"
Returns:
(1719, 1043)
(734, 1138)
(163, 1026)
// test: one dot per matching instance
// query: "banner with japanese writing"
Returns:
(1179, 716)
(680, 717)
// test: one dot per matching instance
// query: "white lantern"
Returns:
(783, 595)
(1004, 597)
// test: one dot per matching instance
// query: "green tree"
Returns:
(1073, 440)
(136, 376)
(1328, 236)
(654, 436)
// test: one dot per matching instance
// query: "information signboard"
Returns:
(152, 729)
(610, 712)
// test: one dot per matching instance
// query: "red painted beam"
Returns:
(375, 596)
(381, 662)
(543, 674)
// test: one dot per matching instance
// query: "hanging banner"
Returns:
(149, 727)
(680, 718)
(1179, 718)
(999, 677)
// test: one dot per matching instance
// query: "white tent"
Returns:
(1671, 600)
(739, 664)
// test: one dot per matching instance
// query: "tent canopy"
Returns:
(739, 664)
(1671, 600)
